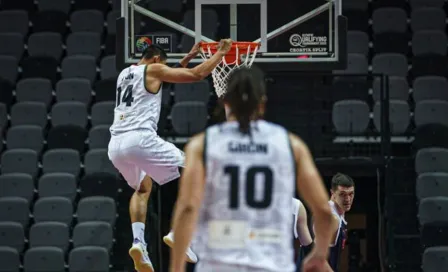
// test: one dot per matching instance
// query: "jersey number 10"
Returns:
(234, 173)
(127, 96)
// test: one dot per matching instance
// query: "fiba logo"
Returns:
(142, 43)
(296, 40)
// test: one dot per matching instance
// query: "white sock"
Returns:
(138, 230)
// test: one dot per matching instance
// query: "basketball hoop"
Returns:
(231, 61)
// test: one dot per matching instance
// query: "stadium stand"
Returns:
(62, 203)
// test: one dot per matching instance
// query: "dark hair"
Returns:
(245, 92)
(341, 180)
(154, 50)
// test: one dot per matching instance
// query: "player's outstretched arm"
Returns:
(191, 55)
(185, 75)
(191, 193)
(312, 189)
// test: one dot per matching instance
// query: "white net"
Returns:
(222, 71)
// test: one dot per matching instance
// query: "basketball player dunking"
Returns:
(135, 149)
(342, 195)
(237, 186)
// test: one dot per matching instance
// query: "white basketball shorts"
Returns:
(204, 266)
(139, 153)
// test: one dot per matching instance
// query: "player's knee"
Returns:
(145, 186)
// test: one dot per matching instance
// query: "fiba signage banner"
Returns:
(143, 41)
(308, 43)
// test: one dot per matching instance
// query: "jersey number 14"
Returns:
(251, 201)
(127, 96)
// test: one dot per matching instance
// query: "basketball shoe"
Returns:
(139, 255)
(169, 240)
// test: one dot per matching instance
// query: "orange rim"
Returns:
(231, 56)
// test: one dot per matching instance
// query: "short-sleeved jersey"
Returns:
(246, 217)
(339, 243)
(135, 108)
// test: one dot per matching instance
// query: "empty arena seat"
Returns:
(6, 93)
(430, 88)
(112, 17)
(356, 64)
(389, 20)
(69, 113)
(50, 234)
(93, 234)
(74, 89)
(97, 208)
(399, 116)
(45, 44)
(398, 89)
(88, 259)
(60, 5)
(12, 45)
(17, 185)
(429, 65)
(189, 117)
(79, 67)
(34, 90)
(10, 259)
(40, 67)
(391, 42)
(431, 112)
(99, 184)
(390, 64)
(101, 5)
(9, 68)
(197, 91)
(429, 42)
(433, 217)
(14, 209)
(428, 19)
(3, 116)
(26, 137)
(97, 161)
(50, 21)
(108, 69)
(357, 43)
(58, 184)
(20, 161)
(103, 113)
(432, 184)
(432, 159)
(103, 90)
(84, 43)
(87, 20)
(350, 117)
(53, 209)
(14, 21)
(12, 235)
(29, 113)
(67, 136)
(44, 259)
(99, 137)
(430, 135)
(434, 258)
(61, 161)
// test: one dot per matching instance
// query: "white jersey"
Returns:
(295, 212)
(136, 108)
(245, 218)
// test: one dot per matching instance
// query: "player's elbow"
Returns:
(324, 213)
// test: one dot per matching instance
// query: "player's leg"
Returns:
(163, 162)
(135, 177)
(137, 211)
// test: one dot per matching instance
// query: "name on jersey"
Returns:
(129, 76)
(235, 147)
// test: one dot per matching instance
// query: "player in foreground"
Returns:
(135, 149)
(237, 186)
(342, 195)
